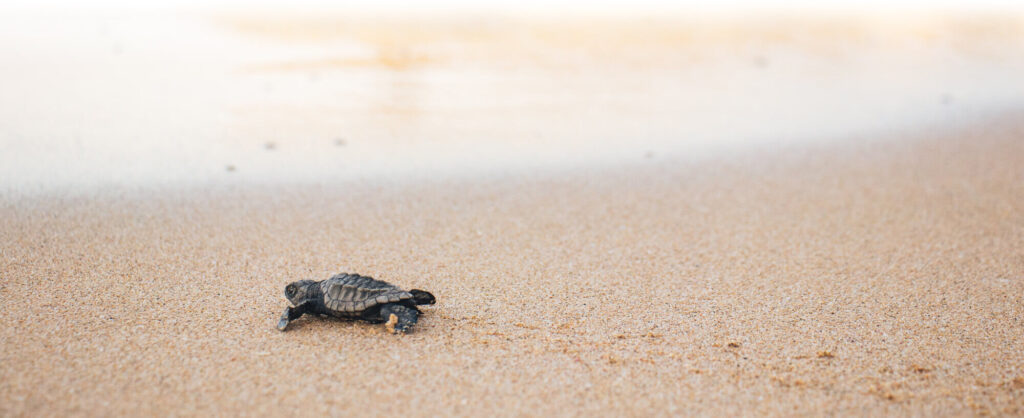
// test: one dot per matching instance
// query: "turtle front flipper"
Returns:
(290, 314)
(285, 318)
(399, 317)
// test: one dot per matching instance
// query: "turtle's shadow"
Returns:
(313, 321)
(318, 321)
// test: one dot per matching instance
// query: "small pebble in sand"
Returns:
(230, 168)
(270, 146)
(340, 142)
(825, 354)
(734, 345)
(390, 325)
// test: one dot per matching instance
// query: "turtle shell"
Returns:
(352, 293)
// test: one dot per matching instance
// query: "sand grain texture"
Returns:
(867, 278)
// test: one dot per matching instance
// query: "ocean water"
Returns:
(108, 98)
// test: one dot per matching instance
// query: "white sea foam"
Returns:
(144, 98)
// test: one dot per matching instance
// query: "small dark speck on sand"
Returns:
(230, 168)
(733, 345)
(340, 142)
(270, 146)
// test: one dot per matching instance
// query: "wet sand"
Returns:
(875, 276)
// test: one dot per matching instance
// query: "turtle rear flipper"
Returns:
(422, 297)
(399, 317)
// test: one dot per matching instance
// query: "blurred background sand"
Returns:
(620, 213)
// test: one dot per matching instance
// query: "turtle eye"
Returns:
(290, 290)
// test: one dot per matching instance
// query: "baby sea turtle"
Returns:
(351, 296)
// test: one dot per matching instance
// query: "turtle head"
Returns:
(301, 291)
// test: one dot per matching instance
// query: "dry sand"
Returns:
(863, 278)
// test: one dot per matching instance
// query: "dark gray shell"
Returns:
(352, 293)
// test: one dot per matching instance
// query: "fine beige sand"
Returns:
(881, 276)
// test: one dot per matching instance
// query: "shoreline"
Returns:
(267, 97)
(743, 157)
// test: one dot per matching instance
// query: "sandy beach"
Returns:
(878, 276)
(620, 215)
